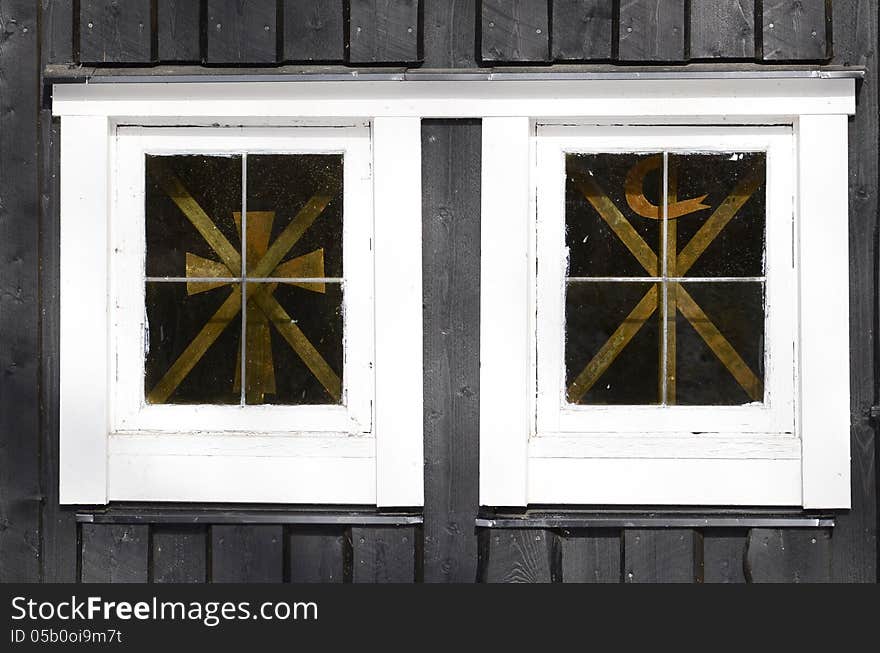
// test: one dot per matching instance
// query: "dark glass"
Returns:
(318, 315)
(738, 249)
(174, 320)
(594, 311)
(737, 311)
(283, 184)
(595, 250)
(214, 183)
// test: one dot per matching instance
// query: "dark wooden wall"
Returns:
(41, 541)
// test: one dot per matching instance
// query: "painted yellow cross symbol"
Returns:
(263, 261)
(676, 265)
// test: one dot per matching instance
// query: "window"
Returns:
(261, 282)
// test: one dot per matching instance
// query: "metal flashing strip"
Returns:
(349, 518)
(655, 520)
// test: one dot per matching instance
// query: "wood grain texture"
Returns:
(854, 555)
(314, 31)
(180, 554)
(724, 556)
(384, 31)
(450, 33)
(591, 557)
(115, 553)
(241, 32)
(178, 30)
(20, 492)
(57, 31)
(317, 555)
(796, 30)
(247, 554)
(788, 556)
(583, 30)
(115, 31)
(451, 261)
(383, 554)
(515, 31)
(723, 29)
(519, 556)
(652, 30)
(660, 556)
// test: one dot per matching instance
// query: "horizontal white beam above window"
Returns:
(650, 98)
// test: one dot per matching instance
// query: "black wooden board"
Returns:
(451, 160)
(583, 30)
(57, 31)
(450, 33)
(115, 553)
(178, 27)
(519, 556)
(318, 555)
(660, 556)
(314, 31)
(591, 556)
(722, 29)
(384, 31)
(242, 32)
(115, 31)
(788, 556)
(795, 30)
(180, 554)
(20, 492)
(514, 31)
(383, 554)
(247, 554)
(652, 30)
(724, 552)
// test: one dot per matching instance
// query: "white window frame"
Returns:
(816, 106)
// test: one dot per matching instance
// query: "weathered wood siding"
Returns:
(39, 540)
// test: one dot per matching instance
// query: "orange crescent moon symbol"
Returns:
(635, 193)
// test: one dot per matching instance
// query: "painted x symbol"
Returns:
(678, 299)
(268, 265)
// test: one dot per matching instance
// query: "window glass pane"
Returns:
(726, 238)
(719, 353)
(193, 338)
(611, 352)
(611, 214)
(189, 197)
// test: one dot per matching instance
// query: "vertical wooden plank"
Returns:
(724, 554)
(241, 32)
(451, 262)
(450, 33)
(180, 554)
(178, 27)
(384, 31)
(660, 556)
(582, 29)
(115, 31)
(57, 31)
(505, 330)
(591, 557)
(316, 555)
(723, 29)
(515, 31)
(824, 324)
(383, 554)
(313, 30)
(114, 553)
(652, 30)
(796, 30)
(20, 493)
(399, 346)
(854, 555)
(247, 554)
(519, 556)
(788, 556)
